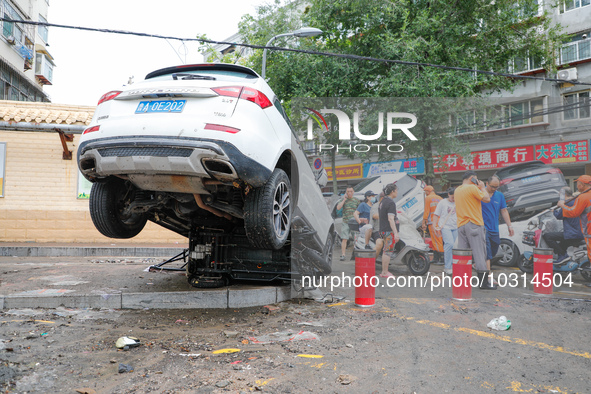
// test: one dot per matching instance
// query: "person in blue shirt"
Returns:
(363, 210)
(571, 235)
(490, 213)
(363, 216)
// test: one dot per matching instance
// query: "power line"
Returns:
(338, 55)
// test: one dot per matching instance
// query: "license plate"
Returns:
(409, 204)
(145, 107)
(531, 179)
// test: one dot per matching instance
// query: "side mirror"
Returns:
(322, 178)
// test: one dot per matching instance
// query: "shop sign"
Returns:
(488, 159)
(563, 152)
(352, 171)
(415, 166)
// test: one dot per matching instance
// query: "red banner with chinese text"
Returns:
(488, 159)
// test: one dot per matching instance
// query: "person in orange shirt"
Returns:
(471, 232)
(581, 208)
(431, 201)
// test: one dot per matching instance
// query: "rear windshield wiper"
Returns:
(192, 76)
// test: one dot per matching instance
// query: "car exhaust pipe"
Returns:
(216, 212)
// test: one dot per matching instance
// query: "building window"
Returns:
(43, 30)
(500, 117)
(526, 9)
(568, 5)
(577, 106)
(579, 48)
(525, 63)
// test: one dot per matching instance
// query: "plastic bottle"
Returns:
(500, 323)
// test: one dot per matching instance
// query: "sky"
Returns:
(90, 64)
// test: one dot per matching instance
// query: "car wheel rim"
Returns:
(281, 210)
(507, 252)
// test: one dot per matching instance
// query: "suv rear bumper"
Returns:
(157, 156)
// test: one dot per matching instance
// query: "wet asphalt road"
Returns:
(415, 339)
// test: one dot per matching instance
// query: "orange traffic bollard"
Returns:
(462, 275)
(543, 271)
(365, 269)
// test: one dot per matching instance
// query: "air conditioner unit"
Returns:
(568, 74)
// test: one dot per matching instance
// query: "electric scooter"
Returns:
(577, 260)
(410, 250)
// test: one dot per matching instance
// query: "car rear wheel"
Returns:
(267, 212)
(107, 203)
(508, 254)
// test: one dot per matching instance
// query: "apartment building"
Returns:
(540, 120)
(25, 62)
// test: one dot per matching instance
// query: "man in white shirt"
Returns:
(446, 225)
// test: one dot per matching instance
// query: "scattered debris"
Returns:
(231, 334)
(225, 351)
(284, 336)
(86, 390)
(126, 343)
(499, 323)
(313, 324)
(125, 368)
(345, 379)
(270, 309)
(329, 298)
(223, 383)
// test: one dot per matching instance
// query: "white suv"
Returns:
(207, 151)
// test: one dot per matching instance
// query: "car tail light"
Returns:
(256, 97)
(219, 127)
(229, 91)
(91, 129)
(249, 94)
(505, 181)
(109, 96)
(554, 171)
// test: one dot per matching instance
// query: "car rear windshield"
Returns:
(219, 75)
(510, 172)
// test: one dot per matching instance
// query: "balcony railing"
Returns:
(575, 51)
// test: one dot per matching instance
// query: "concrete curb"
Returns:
(200, 299)
(73, 251)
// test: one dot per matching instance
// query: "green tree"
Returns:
(473, 34)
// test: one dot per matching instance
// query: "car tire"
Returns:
(268, 212)
(107, 200)
(509, 252)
